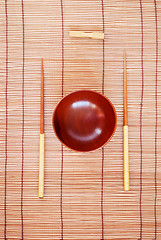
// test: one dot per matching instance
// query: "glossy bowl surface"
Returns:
(84, 120)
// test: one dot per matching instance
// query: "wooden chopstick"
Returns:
(42, 138)
(125, 92)
(125, 131)
(42, 99)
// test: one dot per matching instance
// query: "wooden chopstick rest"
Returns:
(42, 138)
(87, 34)
(125, 132)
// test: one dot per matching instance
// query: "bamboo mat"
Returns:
(30, 30)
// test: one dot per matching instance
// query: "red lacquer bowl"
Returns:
(84, 120)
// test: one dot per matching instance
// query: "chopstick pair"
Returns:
(42, 135)
(42, 138)
(125, 131)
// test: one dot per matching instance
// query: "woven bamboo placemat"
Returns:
(30, 30)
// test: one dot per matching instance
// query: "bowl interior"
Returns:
(84, 120)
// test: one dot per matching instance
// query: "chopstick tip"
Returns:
(124, 54)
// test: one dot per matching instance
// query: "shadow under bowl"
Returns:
(84, 120)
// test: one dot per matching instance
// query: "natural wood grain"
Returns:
(41, 165)
(87, 34)
(126, 158)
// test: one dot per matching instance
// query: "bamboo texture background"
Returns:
(30, 30)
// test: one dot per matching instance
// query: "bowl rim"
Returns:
(84, 90)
